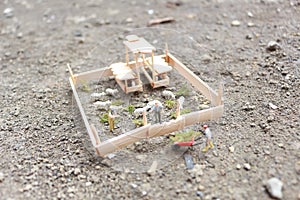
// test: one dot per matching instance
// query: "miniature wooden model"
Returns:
(155, 69)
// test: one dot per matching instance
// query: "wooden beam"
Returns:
(155, 130)
(123, 140)
(85, 120)
(194, 80)
(93, 75)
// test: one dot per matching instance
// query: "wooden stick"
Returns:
(155, 130)
(71, 73)
(85, 120)
(96, 136)
(94, 74)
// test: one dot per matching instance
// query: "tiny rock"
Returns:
(273, 106)
(77, 171)
(1, 177)
(274, 187)
(231, 149)
(238, 166)
(235, 23)
(247, 166)
(273, 46)
(87, 184)
(8, 12)
(249, 14)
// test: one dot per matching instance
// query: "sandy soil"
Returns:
(45, 151)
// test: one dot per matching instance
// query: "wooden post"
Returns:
(127, 56)
(220, 95)
(167, 51)
(137, 68)
(71, 73)
(153, 71)
(177, 109)
(96, 137)
(111, 121)
(145, 117)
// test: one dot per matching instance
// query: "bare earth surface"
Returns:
(44, 148)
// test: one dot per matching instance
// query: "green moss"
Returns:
(130, 108)
(170, 104)
(138, 122)
(104, 118)
(185, 136)
(85, 87)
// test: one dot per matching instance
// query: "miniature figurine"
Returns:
(208, 135)
(157, 107)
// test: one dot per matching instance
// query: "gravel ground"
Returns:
(251, 46)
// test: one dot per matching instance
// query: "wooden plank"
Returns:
(156, 130)
(194, 80)
(186, 120)
(147, 75)
(85, 120)
(123, 140)
(93, 75)
(121, 84)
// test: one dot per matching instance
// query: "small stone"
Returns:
(133, 185)
(87, 184)
(8, 12)
(252, 125)
(206, 58)
(77, 171)
(249, 14)
(250, 24)
(273, 106)
(297, 167)
(199, 194)
(274, 187)
(231, 149)
(111, 155)
(235, 23)
(129, 20)
(273, 46)
(1, 177)
(201, 187)
(247, 166)
(238, 166)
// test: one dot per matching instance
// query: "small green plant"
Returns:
(183, 91)
(182, 112)
(130, 108)
(104, 118)
(185, 136)
(138, 122)
(170, 103)
(85, 87)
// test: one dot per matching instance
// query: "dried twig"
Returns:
(160, 21)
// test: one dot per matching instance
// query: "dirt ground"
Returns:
(45, 151)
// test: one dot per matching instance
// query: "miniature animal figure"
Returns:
(112, 92)
(102, 104)
(97, 96)
(140, 111)
(168, 94)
